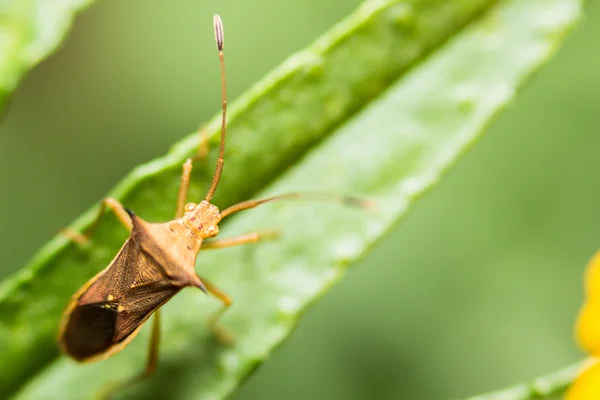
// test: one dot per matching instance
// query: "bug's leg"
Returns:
(118, 209)
(202, 155)
(110, 203)
(203, 144)
(150, 364)
(213, 321)
(153, 348)
(79, 238)
(183, 187)
(237, 240)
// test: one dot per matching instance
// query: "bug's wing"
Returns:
(115, 304)
(129, 267)
(141, 300)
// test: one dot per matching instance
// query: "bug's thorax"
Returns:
(202, 219)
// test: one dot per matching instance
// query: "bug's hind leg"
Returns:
(150, 364)
(110, 203)
(220, 333)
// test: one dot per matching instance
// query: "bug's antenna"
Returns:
(219, 168)
(347, 200)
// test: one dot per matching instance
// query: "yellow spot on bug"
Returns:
(120, 308)
(110, 297)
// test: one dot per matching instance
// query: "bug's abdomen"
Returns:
(90, 330)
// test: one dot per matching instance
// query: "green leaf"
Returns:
(29, 31)
(380, 106)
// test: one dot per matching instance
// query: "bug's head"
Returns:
(202, 218)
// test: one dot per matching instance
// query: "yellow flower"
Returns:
(587, 331)
(587, 385)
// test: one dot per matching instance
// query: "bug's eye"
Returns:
(190, 207)
(212, 230)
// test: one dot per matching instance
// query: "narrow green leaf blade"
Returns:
(270, 128)
(550, 386)
(393, 150)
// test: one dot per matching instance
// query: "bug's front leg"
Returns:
(110, 203)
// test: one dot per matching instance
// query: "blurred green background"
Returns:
(476, 290)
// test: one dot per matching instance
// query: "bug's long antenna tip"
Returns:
(218, 31)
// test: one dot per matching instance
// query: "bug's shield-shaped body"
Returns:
(151, 267)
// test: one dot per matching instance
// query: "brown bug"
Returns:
(155, 263)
